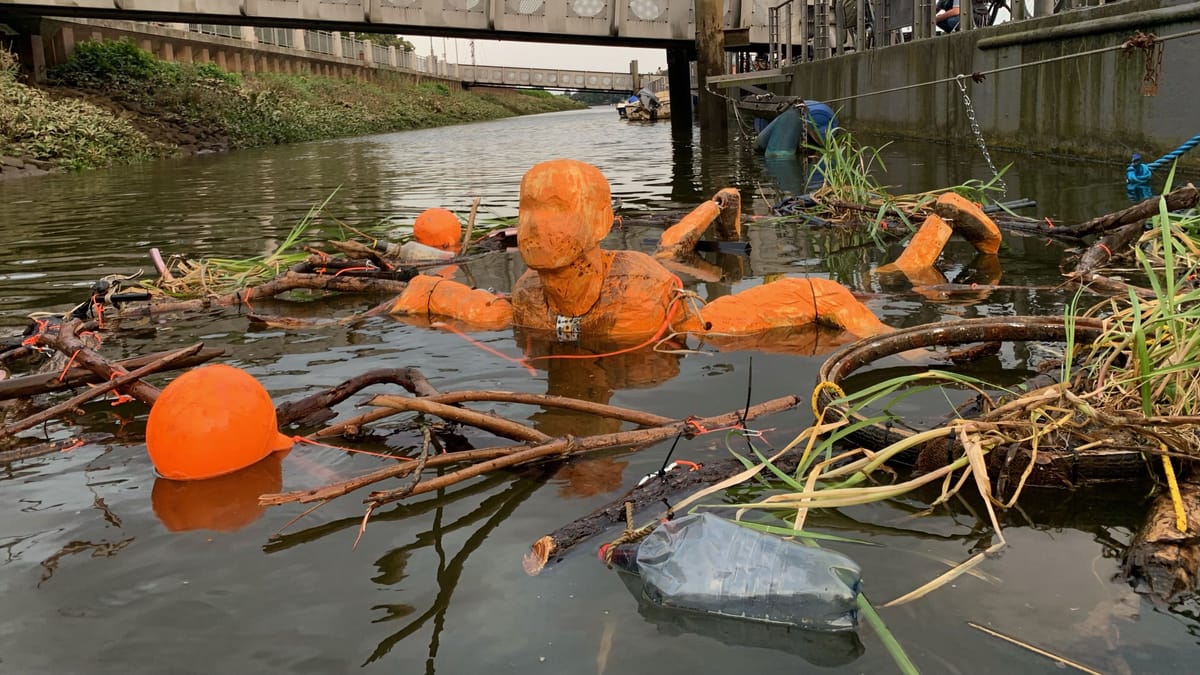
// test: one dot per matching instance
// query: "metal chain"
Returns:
(962, 87)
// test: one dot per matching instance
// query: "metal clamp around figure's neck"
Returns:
(567, 328)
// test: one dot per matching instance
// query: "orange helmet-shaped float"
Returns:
(211, 421)
(438, 228)
(565, 210)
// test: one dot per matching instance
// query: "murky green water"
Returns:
(103, 570)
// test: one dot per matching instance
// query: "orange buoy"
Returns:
(212, 421)
(438, 228)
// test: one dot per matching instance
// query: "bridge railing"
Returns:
(822, 29)
(280, 37)
(319, 41)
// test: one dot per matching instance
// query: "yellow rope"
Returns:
(1173, 486)
(629, 535)
(819, 413)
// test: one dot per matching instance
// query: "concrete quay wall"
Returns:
(1055, 84)
(56, 39)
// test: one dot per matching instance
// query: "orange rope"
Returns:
(67, 367)
(480, 345)
(31, 341)
(360, 268)
(121, 398)
(307, 441)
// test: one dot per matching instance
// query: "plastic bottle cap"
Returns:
(211, 421)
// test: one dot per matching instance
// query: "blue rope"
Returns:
(1139, 174)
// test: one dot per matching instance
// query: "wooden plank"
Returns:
(772, 76)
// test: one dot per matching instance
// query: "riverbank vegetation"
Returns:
(114, 103)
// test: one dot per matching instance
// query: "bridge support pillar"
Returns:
(710, 62)
(37, 52)
(679, 79)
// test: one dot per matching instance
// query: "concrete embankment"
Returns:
(114, 103)
(1076, 83)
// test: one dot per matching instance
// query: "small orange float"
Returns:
(212, 421)
(438, 228)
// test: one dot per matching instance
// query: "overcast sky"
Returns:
(535, 55)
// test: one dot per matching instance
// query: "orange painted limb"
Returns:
(790, 302)
(436, 296)
(970, 221)
(918, 277)
(925, 246)
(682, 236)
(725, 208)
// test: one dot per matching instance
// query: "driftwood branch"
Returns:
(1181, 198)
(496, 425)
(545, 400)
(44, 383)
(127, 378)
(319, 403)
(636, 437)
(1109, 246)
(569, 446)
(66, 340)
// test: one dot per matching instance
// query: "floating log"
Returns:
(657, 491)
(1108, 246)
(1161, 561)
(1181, 198)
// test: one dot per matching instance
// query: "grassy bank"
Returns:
(113, 103)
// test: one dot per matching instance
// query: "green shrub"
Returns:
(436, 87)
(67, 132)
(105, 64)
(536, 93)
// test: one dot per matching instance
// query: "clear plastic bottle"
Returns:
(413, 251)
(704, 563)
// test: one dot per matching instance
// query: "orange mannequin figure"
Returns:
(575, 288)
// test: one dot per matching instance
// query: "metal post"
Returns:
(966, 14)
(679, 83)
(803, 31)
(860, 25)
(839, 27)
(789, 32)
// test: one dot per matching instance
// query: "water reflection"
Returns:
(439, 580)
